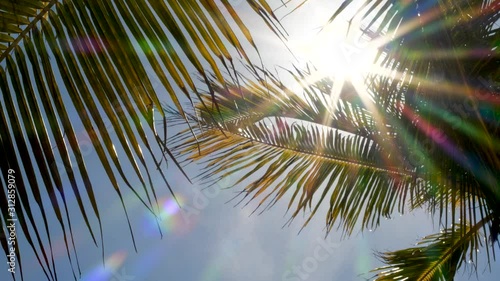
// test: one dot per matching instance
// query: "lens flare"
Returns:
(112, 264)
(87, 45)
(170, 220)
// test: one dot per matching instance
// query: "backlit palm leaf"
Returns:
(265, 130)
(437, 87)
(439, 84)
(431, 78)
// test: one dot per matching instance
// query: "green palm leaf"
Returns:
(437, 256)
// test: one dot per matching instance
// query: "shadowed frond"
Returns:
(436, 257)
(100, 69)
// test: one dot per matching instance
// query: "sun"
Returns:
(334, 52)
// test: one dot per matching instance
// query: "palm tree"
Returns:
(424, 134)
(367, 154)
(66, 65)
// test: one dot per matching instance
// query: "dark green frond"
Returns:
(100, 69)
(437, 257)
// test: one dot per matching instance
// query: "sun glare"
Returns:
(336, 53)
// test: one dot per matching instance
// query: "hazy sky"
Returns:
(210, 240)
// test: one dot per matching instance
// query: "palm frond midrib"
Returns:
(337, 158)
(27, 29)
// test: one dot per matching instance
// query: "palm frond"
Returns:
(100, 68)
(438, 67)
(437, 256)
(349, 167)
(443, 184)
(265, 130)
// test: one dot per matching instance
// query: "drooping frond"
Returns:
(274, 142)
(346, 170)
(100, 69)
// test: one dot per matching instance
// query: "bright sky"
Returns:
(213, 241)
